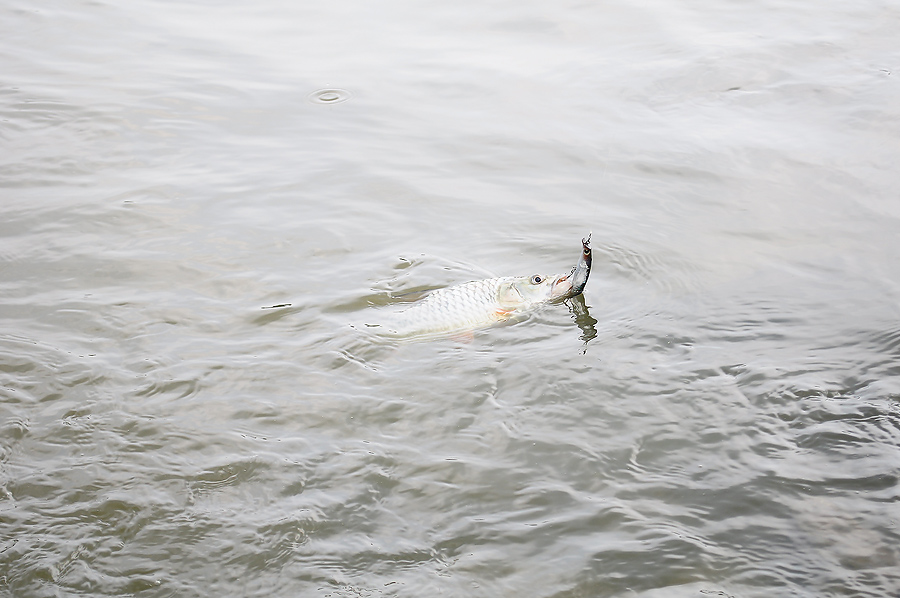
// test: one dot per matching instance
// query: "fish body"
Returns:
(482, 303)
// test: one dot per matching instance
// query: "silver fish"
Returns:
(481, 303)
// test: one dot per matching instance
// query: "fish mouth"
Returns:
(561, 287)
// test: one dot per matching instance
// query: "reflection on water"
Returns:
(582, 317)
(189, 241)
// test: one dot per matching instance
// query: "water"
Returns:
(199, 200)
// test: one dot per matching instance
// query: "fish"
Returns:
(479, 304)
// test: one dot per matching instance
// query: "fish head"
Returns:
(524, 291)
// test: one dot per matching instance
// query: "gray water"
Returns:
(193, 228)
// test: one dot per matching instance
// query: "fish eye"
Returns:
(537, 279)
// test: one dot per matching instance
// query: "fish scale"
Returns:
(464, 307)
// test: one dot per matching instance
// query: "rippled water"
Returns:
(200, 201)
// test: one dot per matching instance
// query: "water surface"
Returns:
(189, 233)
